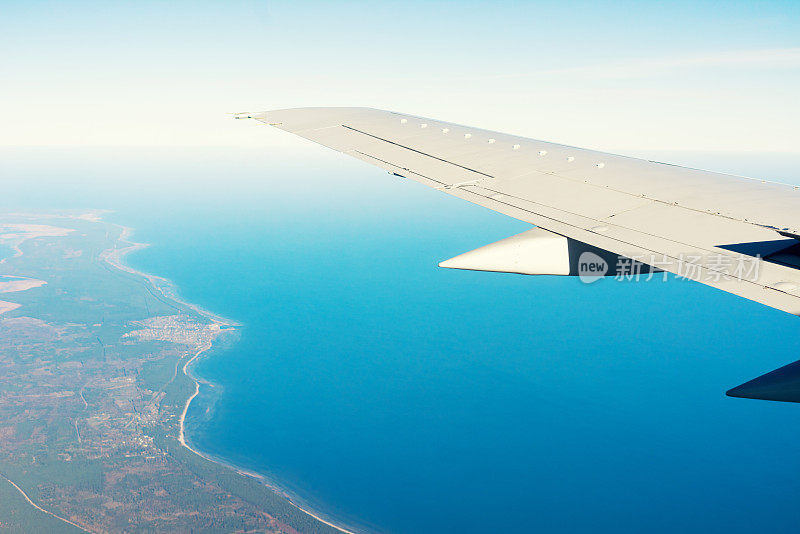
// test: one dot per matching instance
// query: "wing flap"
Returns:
(688, 262)
(535, 251)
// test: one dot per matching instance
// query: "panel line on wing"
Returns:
(417, 151)
(444, 184)
(598, 221)
(550, 173)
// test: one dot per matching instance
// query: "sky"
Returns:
(622, 76)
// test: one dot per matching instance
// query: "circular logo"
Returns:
(591, 267)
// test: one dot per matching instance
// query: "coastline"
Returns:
(115, 257)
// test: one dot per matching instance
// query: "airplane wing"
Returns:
(594, 213)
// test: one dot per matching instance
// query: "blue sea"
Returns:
(393, 395)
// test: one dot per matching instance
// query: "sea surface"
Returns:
(394, 395)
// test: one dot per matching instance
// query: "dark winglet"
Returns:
(782, 384)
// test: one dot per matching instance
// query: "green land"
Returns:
(92, 392)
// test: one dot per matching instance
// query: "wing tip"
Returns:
(782, 384)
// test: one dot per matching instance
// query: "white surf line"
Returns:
(115, 257)
(182, 419)
(42, 509)
(182, 440)
(318, 518)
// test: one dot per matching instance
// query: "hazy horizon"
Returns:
(678, 75)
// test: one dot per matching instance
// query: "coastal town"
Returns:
(95, 385)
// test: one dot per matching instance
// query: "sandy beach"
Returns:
(6, 306)
(115, 257)
(244, 472)
(18, 284)
(9, 286)
(15, 234)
